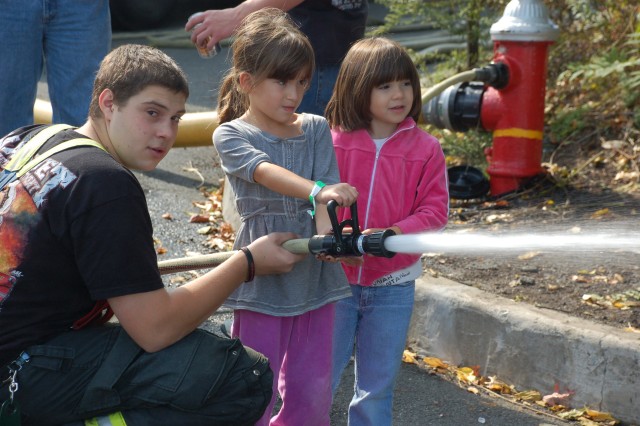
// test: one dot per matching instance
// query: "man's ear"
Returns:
(106, 103)
(245, 81)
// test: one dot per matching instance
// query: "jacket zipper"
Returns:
(371, 185)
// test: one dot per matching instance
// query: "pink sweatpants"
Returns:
(299, 350)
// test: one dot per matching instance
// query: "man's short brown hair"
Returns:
(131, 68)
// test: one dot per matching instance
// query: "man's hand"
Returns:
(269, 255)
(216, 25)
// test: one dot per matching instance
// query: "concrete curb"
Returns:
(529, 347)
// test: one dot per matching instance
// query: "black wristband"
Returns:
(251, 273)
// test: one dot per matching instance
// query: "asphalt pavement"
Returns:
(533, 349)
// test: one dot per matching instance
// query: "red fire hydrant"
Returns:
(515, 112)
(509, 98)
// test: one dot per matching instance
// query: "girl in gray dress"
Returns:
(280, 164)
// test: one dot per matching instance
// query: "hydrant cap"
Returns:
(466, 182)
(525, 20)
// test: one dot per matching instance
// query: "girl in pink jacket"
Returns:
(400, 173)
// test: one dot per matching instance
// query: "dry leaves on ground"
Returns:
(469, 378)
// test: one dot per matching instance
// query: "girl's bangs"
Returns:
(287, 66)
(392, 68)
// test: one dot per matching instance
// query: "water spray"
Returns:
(386, 243)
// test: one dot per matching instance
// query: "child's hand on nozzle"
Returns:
(343, 193)
(269, 255)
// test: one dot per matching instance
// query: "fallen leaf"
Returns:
(617, 279)
(529, 255)
(626, 176)
(473, 390)
(600, 213)
(529, 396)
(205, 230)
(466, 375)
(435, 363)
(498, 386)
(493, 218)
(218, 243)
(167, 216)
(573, 414)
(621, 304)
(199, 218)
(178, 279)
(409, 357)
(592, 299)
(556, 398)
(599, 416)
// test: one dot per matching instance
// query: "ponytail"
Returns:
(232, 102)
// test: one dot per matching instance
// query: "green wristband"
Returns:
(312, 196)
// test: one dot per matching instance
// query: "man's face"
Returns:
(142, 131)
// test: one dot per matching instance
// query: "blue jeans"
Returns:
(69, 38)
(320, 90)
(375, 321)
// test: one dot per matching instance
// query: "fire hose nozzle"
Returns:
(349, 244)
(374, 243)
(352, 244)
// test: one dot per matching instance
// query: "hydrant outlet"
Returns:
(457, 108)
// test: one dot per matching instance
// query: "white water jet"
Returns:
(483, 243)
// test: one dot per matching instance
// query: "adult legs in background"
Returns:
(77, 38)
(384, 314)
(320, 90)
(21, 32)
(70, 37)
(299, 352)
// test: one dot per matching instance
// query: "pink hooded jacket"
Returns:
(403, 185)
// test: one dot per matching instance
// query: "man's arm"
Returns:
(159, 318)
(220, 24)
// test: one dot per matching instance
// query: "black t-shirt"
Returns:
(73, 230)
(332, 26)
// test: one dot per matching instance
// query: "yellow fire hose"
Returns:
(195, 129)
(205, 261)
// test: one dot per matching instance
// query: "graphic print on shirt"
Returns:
(19, 203)
(346, 4)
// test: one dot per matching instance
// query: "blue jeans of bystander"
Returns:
(375, 321)
(69, 38)
(320, 90)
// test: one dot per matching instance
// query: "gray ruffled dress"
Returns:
(242, 146)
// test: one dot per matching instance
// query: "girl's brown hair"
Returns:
(267, 45)
(369, 63)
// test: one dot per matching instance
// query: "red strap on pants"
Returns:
(100, 314)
